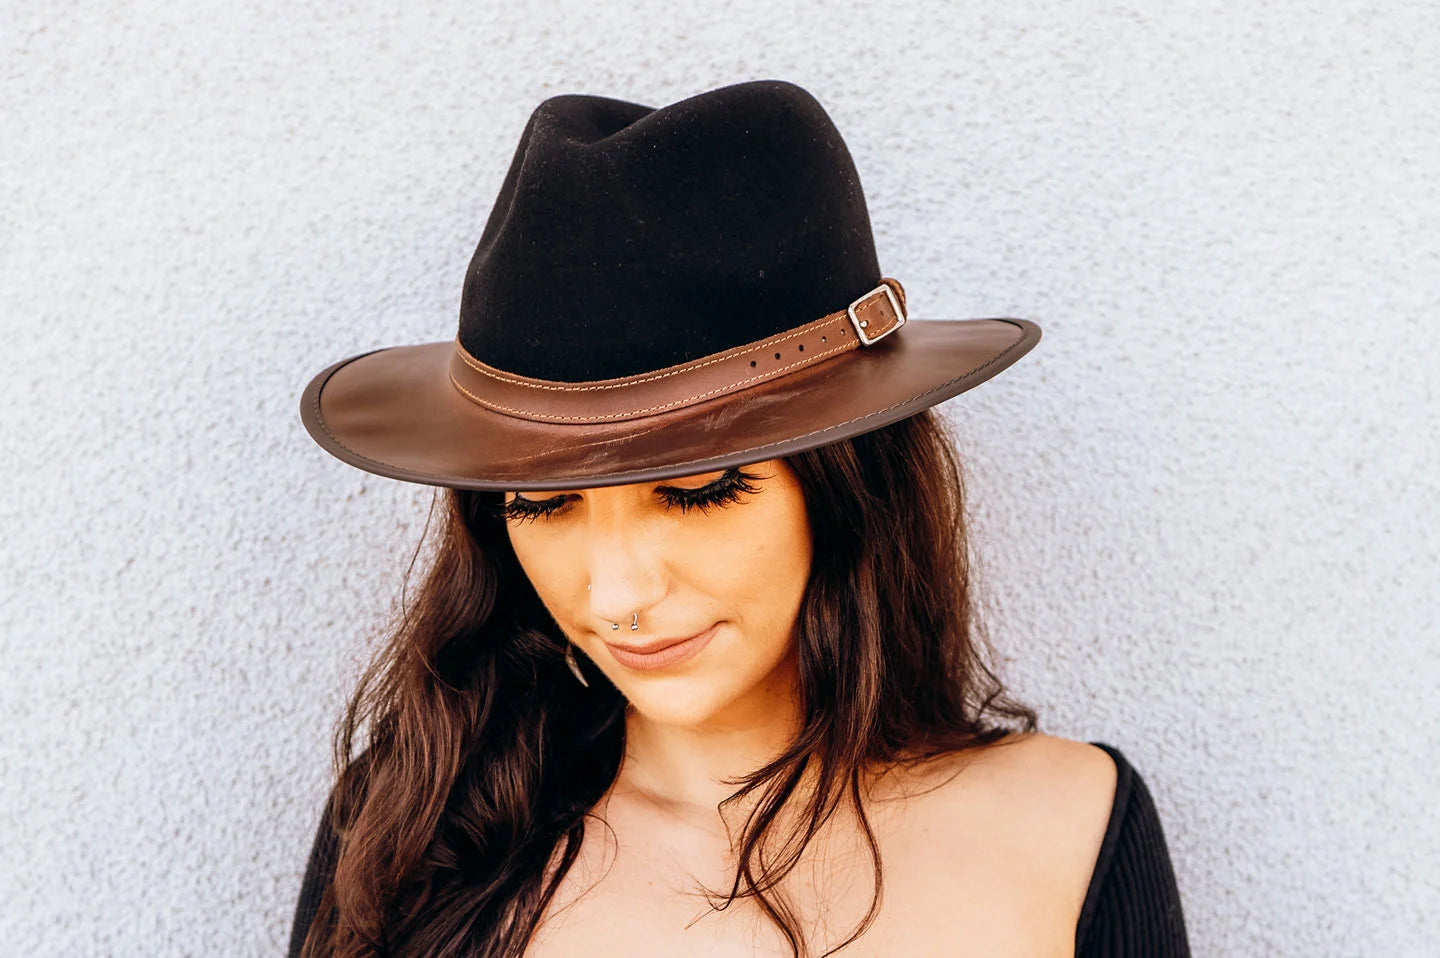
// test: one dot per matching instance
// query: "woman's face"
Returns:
(732, 558)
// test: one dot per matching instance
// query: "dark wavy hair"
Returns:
(482, 758)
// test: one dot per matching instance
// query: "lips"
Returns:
(663, 652)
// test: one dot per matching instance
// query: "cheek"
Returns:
(774, 558)
(756, 579)
(765, 578)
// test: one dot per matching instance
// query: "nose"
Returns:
(634, 621)
(625, 580)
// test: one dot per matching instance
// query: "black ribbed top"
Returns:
(1132, 908)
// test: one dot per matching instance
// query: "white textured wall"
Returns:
(1208, 499)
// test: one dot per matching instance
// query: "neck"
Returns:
(688, 770)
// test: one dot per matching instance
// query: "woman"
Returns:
(694, 668)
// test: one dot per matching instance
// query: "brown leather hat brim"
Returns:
(394, 412)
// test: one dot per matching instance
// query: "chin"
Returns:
(676, 700)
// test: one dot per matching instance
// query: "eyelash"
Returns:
(722, 492)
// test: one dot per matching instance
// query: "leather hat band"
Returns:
(870, 318)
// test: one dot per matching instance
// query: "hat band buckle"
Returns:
(867, 304)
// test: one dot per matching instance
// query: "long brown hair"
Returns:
(483, 758)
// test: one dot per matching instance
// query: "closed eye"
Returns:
(722, 492)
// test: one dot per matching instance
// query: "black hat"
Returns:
(658, 293)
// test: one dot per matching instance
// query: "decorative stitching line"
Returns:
(390, 471)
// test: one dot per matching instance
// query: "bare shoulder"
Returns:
(1059, 771)
(1032, 769)
(1061, 791)
(1039, 802)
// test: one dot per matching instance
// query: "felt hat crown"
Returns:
(657, 293)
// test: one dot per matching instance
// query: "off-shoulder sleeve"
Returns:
(319, 870)
(1132, 908)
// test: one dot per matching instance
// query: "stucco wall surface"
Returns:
(1206, 503)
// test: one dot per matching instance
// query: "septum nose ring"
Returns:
(634, 622)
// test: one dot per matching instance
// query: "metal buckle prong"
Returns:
(861, 325)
